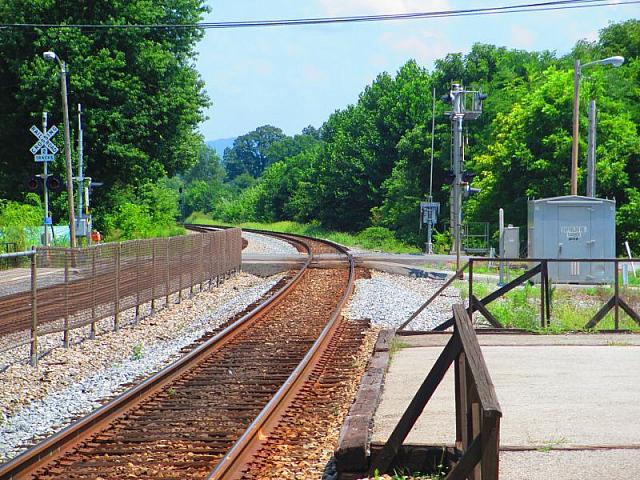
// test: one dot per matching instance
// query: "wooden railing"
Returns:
(540, 271)
(478, 412)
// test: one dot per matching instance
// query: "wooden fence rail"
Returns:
(540, 271)
(478, 412)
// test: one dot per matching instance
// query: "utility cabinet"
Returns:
(573, 227)
(510, 242)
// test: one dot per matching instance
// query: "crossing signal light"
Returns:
(54, 184)
(467, 177)
(34, 184)
(448, 177)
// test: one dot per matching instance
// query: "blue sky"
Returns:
(291, 77)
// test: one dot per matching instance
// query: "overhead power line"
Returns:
(525, 7)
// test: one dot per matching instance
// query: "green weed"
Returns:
(136, 353)
(549, 445)
(395, 346)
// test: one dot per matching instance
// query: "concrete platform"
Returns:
(571, 403)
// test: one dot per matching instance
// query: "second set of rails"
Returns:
(207, 415)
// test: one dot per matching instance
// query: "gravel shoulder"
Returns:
(262, 244)
(389, 300)
(69, 383)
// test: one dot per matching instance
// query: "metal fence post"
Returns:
(181, 264)
(167, 279)
(153, 276)
(93, 292)
(34, 309)
(116, 304)
(137, 281)
(201, 262)
(211, 258)
(66, 299)
(191, 265)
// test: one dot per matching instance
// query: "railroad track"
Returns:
(210, 413)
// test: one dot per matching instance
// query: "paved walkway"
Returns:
(571, 402)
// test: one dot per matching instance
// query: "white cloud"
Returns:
(314, 74)
(522, 38)
(424, 46)
(381, 7)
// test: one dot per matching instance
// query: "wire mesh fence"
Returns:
(64, 289)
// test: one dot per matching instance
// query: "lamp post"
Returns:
(577, 72)
(51, 56)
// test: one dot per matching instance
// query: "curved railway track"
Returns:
(207, 415)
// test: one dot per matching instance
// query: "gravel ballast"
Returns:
(69, 383)
(389, 300)
(267, 245)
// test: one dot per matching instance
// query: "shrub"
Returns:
(20, 222)
(154, 215)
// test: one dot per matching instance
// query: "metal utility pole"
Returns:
(457, 116)
(67, 143)
(80, 164)
(430, 199)
(591, 151)
(467, 104)
(67, 154)
(577, 74)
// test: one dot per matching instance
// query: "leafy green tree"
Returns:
(627, 219)
(249, 153)
(207, 168)
(141, 95)
(150, 211)
(291, 146)
(281, 188)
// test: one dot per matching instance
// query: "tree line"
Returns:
(368, 165)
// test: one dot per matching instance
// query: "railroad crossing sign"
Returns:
(44, 145)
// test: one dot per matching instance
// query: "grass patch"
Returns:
(408, 476)
(395, 346)
(372, 238)
(571, 308)
(549, 445)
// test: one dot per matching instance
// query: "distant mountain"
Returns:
(220, 144)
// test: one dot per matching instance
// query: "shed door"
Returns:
(574, 235)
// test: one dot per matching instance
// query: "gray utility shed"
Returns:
(573, 227)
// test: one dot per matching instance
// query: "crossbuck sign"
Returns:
(44, 145)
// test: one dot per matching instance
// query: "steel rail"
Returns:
(55, 446)
(241, 454)
(285, 236)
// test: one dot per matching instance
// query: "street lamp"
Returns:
(577, 72)
(51, 56)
